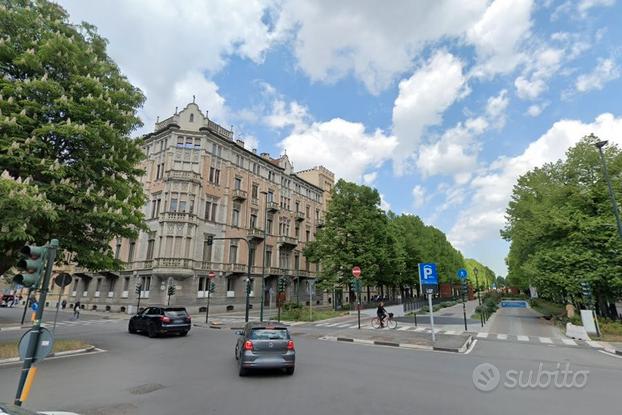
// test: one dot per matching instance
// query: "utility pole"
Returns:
(479, 300)
(263, 258)
(614, 204)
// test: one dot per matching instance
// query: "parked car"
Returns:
(265, 345)
(6, 300)
(156, 320)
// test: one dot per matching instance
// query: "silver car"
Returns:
(265, 346)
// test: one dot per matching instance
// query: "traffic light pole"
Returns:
(33, 344)
(26, 306)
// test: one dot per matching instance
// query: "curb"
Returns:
(376, 342)
(58, 354)
(460, 349)
(11, 328)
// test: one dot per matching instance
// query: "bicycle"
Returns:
(388, 322)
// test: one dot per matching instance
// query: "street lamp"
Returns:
(599, 145)
(263, 258)
(482, 316)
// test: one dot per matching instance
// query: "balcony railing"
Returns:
(183, 263)
(220, 130)
(272, 207)
(287, 240)
(300, 216)
(183, 175)
(178, 217)
(255, 233)
(239, 194)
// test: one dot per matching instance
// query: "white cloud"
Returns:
(606, 70)
(498, 35)
(161, 45)
(455, 153)
(384, 205)
(419, 196)
(526, 89)
(536, 109)
(290, 114)
(342, 146)
(585, 5)
(492, 188)
(207, 96)
(543, 64)
(369, 39)
(422, 100)
(370, 178)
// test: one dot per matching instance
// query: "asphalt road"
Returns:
(521, 321)
(197, 375)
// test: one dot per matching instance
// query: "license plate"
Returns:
(178, 321)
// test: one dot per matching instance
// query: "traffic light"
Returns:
(210, 240)
(31, 264)
(139, 286)
(171, 290)
(586, 289)
(281, 285)
(212, 287)
(249, 285)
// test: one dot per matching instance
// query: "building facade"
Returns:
(213, 206)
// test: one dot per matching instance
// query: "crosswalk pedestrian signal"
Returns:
(249, 285)
(32, 265)
(171, 290)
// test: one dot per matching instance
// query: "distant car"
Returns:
(265, 346)
(9, 409)
(158, 320)
(6, 300)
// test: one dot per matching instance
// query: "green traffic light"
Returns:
(31, 266)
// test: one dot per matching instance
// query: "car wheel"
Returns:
(183, 333)
(151, 331)
(131, 328)
(289, 371)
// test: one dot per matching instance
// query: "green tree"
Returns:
(66, 113)
(562, 231)
(355, 233)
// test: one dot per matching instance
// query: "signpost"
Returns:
(462, 274)
(429, 277)
(139, 288)
(356, 272)
(62, 280)
(311, 285)
(210, 289)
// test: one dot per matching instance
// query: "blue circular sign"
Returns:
(462, 273)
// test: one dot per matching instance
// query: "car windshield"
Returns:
(269, 334)
(176, 313)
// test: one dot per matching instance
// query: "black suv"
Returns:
(161, 320)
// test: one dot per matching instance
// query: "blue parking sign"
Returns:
(428, 274)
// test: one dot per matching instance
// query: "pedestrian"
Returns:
(63, 304)
(76, 310)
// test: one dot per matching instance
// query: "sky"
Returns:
(440, 104)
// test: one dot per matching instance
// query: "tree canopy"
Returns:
(66, 113)
(562, 230)
(387, 247)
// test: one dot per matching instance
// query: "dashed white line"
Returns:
(502, 336)
(343, 326)
(403, 328)
(569, 342)
(523, 338)
(356, 326)
(482, 335)
(546, 340)
(450, 332)
(420, 329)
(333, 324)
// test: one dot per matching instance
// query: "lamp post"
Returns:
(599, 145)
(479, 300)
(263, 258)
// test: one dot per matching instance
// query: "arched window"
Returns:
(191, 117)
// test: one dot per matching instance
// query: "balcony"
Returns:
(178, 217)
(181, 267)
(255, 233)
(239, 195)
(183, 175)
(287, 241)
(211, 266)
(299, 216)
(254, 201)
(272, 207)
(235, 268)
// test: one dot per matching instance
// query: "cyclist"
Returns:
(381, 313)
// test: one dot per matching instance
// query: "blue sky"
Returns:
(440, 105)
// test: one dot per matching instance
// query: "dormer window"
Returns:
(191, 117)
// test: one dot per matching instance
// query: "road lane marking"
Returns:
(321, 324)
(404, 328)
(450, 332)
(502, 336)
(594, 344)
(523, 338)
(569, 342)
(333, 324)
(546, 340)
(610, 354)
(470, 349)
(420, 329)
(356, 326)
(343, 326)
(482, 335)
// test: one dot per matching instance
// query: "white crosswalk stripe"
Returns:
(546, 340)
(343, 326)
(522, 338)
(333, 324)
(482, 335)
(569, 342)
(321, 325)
(502, 336)
(403, 328)
(420, 329)
(356, 326)
(451, 332)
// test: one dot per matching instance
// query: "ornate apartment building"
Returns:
(202, 186)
